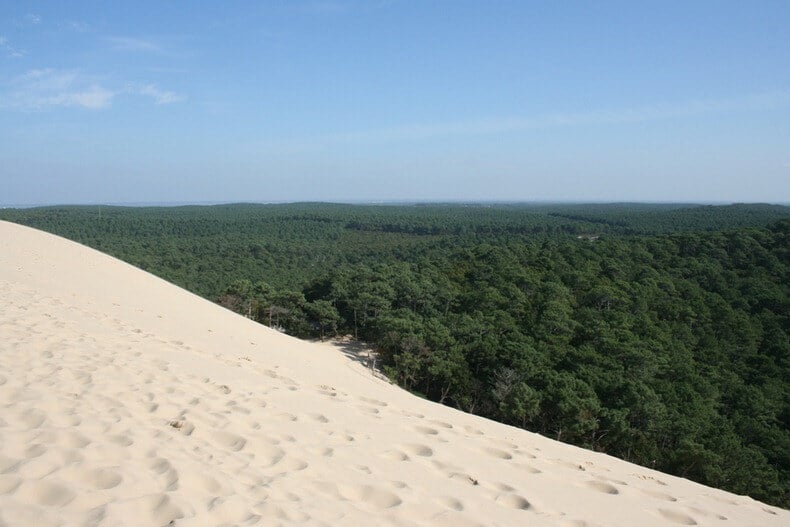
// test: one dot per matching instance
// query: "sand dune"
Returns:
(125, 400)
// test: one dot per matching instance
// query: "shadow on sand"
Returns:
(359, 352)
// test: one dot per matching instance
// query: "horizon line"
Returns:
(209, 203)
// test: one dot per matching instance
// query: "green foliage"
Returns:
(656, 333)
(325, 316)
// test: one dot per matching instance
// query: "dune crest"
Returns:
(128, 401)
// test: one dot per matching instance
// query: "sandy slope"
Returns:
(127, 401)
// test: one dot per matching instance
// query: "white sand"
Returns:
(125, 400)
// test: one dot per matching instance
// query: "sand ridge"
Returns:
(125, 400)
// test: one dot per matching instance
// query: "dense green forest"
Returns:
(655, 333)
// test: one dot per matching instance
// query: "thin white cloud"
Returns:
(94, 97)
(158, 95)
(42, 89)
(665, 111)
(9, 50)
(134, 44)
(30, 19)
(765, 101)
(76, 26)
(46, 88)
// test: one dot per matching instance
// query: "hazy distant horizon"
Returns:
(387, 202)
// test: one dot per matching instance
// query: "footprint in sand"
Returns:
(268, 509)
(450, 503)
(374, 402)
(463, 478)
(257, 402)
(506, 444)
(185, 427)
(234, 406)
(514, 501)
(721, 500)
(678, 517)
(229, 440)
(474, 431)
(658, 495)
(651, 478)
(288, 381)
(395, 455)
(48, 493)
(327, 390)
(163, 467)
(569, 465)
(209, 484)
(707, 513)
(232, 509)
(501, 487)
(151, 509)
(417, 449)
(444, 467)
(529, 469)
(612, 480)
(73, 439)
(362, 495)
(320, 451)
(100, 478)
(121, 440)
(427, 430)
(290, 465)
(602, 487)
(497, 453)
(35, 450)
(268, 455)
(321, 418)
(345, 436)
(32, 418)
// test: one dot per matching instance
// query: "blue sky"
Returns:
(351, 100)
